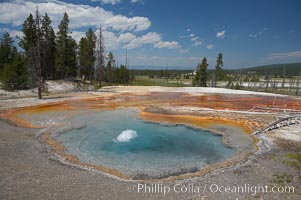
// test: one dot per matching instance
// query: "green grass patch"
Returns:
(146, 81)
(273, 157)
(294, 156)
(294, 161)
(282, 178)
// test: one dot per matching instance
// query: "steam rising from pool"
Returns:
(126, 136)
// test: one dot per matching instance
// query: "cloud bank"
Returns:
(119, 31)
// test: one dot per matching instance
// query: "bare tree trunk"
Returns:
(249, 82)
(291, 84)
(240, 79)
(267, 82)
(100, 62)
(298, 84)
(283, 80)
(275, 83)
(38, 56)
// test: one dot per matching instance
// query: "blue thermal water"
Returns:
(119, 140)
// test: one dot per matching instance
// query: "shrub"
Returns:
(14, 76)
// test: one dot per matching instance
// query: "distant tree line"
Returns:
(162, 73)
(290, 69)
(47, 55)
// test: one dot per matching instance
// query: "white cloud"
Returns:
(184, 36)
(126, 37)
(184, 51)
(128, 40)
(167, 45)
(221, 34)
(210, 46)
(80, 15)
(155, 57)
(149, 38)
(285, 55)
(188, 30)
(252, 35)
(113, 2)
(111, 41)
(137, 1)
(12, 33)
(77, 35)
(118, 31)
(197, 43)
(194, 39)
(255, 35)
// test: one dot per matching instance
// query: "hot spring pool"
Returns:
(119, 140)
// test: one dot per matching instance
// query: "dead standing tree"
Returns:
(37, 50)
(298, 85)
(283, 78)
(291, 84)
(267, 79)
(100, 63)
(274, 85)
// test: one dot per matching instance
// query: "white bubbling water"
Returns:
(126, 136)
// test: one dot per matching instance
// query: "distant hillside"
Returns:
(291, 69)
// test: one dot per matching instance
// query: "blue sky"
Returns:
(178, 33)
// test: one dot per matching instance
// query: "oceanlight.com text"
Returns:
(195, 189)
